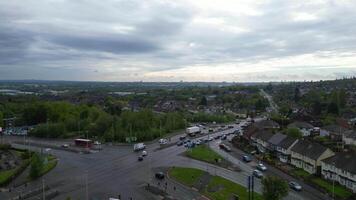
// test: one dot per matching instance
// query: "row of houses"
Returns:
(310, 156)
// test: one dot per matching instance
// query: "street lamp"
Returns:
(334, 180)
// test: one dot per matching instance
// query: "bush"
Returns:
(36, 166)
(5, 146)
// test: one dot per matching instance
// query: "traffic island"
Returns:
(206, 154)
(213, 187)
(12, 163)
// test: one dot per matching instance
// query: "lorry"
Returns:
(191, 131)
(139, 146)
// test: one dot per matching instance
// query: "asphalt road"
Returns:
(116, 171)
(272, 104)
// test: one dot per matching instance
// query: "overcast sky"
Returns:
(173, 40)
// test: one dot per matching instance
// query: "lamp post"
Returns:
(86, 185)
(43, 190)
(334, 181)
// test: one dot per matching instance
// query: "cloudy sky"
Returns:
(189, 40)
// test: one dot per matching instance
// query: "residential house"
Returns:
(267, 125)
(284, 149)
(260, 140)
(341, 168)
(275, 140)
(333, 131)
(308, 155)
(349, 137)
(305, 128)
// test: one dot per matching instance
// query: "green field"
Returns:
(217, 188)
(204, 153)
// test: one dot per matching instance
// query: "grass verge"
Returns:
(217, 188)
(204, 153)
(187, 176)
(8, 175)
(225, 189)
(340, 191)
(48, 167)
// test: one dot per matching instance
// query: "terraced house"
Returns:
(308, 155)
(341, 168)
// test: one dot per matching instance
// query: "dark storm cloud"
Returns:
(117, 45)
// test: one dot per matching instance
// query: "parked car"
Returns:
(159, 175)
(223, 137)
(182, 137)
(186, 141)
(217, 137)
(295, 186)
(261, 167)
(144, 153)
(198, 142)
(225, 147)
(179, 143)
(230, 126)
(257, 173)
(140, 158)
(65, 145)
(246, 158)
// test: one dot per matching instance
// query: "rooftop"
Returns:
(309, 149)
(345, 161)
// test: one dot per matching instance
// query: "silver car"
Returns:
(295, 186)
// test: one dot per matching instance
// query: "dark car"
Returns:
(182, 137)
(225, 147)
(159, 175)
(217, 137)
(246, 158)
(140, 158)
(231, 126)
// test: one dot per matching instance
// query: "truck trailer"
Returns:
(191, 131)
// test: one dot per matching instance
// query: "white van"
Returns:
(139, 146)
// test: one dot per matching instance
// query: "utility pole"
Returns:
(86, 185)
(43, 190)
(160, 128)
(333, 182)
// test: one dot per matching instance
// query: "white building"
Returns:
(341, 168)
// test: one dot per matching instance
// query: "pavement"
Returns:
(116, 171)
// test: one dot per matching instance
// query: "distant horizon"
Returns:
(99, 81)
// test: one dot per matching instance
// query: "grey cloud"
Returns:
(155, 35)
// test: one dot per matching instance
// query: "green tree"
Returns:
(36, 166)
(1, 119)
(316, 107)
(203, 101)
(294, 132)
(274, 188)
(333, 108)
(297, 94)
